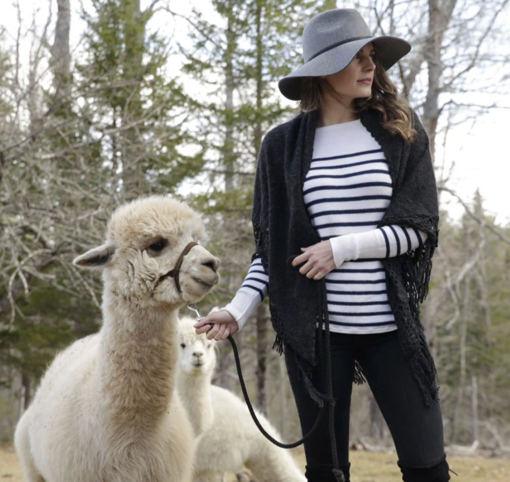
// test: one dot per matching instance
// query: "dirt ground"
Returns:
(366, 467)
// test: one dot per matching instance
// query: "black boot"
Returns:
(436, 473)
(346, 471)
(326, 474)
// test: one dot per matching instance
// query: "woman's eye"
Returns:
(158, 245)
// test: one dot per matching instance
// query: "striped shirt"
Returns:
(346, 191)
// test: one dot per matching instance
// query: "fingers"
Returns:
(221, 332)
(203, 325)
(314, 269)
(306, 267)
(202, 322)
(227, 332)
(301, 258)
(213, 331)
(203, 329)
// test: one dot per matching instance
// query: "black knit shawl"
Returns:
(282, 226)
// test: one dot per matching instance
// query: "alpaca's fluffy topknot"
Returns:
(142, 219)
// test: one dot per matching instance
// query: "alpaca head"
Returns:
(198, 354)
(143, 243)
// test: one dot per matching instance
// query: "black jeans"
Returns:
(417, 430)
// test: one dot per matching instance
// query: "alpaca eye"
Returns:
(158, 245)
(183, 345)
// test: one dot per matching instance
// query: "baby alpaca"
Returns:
(107, 409)
(227, 436)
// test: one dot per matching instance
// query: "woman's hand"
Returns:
(223, 325)
(318, 259)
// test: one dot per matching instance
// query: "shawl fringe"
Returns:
(410, 277)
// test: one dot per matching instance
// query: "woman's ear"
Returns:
(96, 257)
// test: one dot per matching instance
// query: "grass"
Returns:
(366, 467)
(10, 471)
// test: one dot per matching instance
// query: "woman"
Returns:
(345, 218)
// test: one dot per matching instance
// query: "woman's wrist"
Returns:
(232, 311)
(345, 248)
(241, 316)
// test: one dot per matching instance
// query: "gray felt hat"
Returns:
(331, 40)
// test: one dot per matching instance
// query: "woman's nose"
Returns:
(369, 65)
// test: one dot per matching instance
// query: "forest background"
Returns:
(103, 101)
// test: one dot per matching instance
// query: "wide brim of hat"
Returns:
(389, 51)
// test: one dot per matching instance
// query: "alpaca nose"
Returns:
(198, 354)
(211, 262)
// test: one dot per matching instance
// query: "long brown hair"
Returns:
(395, 110)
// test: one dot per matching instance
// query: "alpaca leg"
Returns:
(244, 477)
(22, 446)
(270, 463)
(210, 476)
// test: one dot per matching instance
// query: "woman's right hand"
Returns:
(223, 325)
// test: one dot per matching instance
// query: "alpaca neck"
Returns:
(137, 363)
(195, 390)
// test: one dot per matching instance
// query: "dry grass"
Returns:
(366, 467)
(382, 467)
(10, 471)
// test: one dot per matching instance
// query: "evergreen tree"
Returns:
(133, 104)
(241, 59)
(474, 328)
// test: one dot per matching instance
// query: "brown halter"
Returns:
(175, 272)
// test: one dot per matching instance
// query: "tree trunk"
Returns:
(228, 149)
(462, 349)
(440, 14)
(474, 409)
(60, 50)
(131, 140)
(27, 395)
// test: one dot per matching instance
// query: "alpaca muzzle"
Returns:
(175, 272)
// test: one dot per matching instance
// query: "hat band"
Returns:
(336, 45)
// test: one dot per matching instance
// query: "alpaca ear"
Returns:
(96, 257)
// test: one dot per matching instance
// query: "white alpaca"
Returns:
(107, 409)
(228, 439)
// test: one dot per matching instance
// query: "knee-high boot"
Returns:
(326, 474)
(436, 473)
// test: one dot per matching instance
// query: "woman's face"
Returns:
(347, 82)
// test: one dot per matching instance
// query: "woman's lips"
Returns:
(367, 81)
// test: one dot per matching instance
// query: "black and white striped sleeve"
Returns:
(385, 242)
(399, 240)
(252, 292)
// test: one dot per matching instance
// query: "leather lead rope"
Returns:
(323, 339)
(320, 416)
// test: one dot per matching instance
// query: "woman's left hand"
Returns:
(318, 259)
